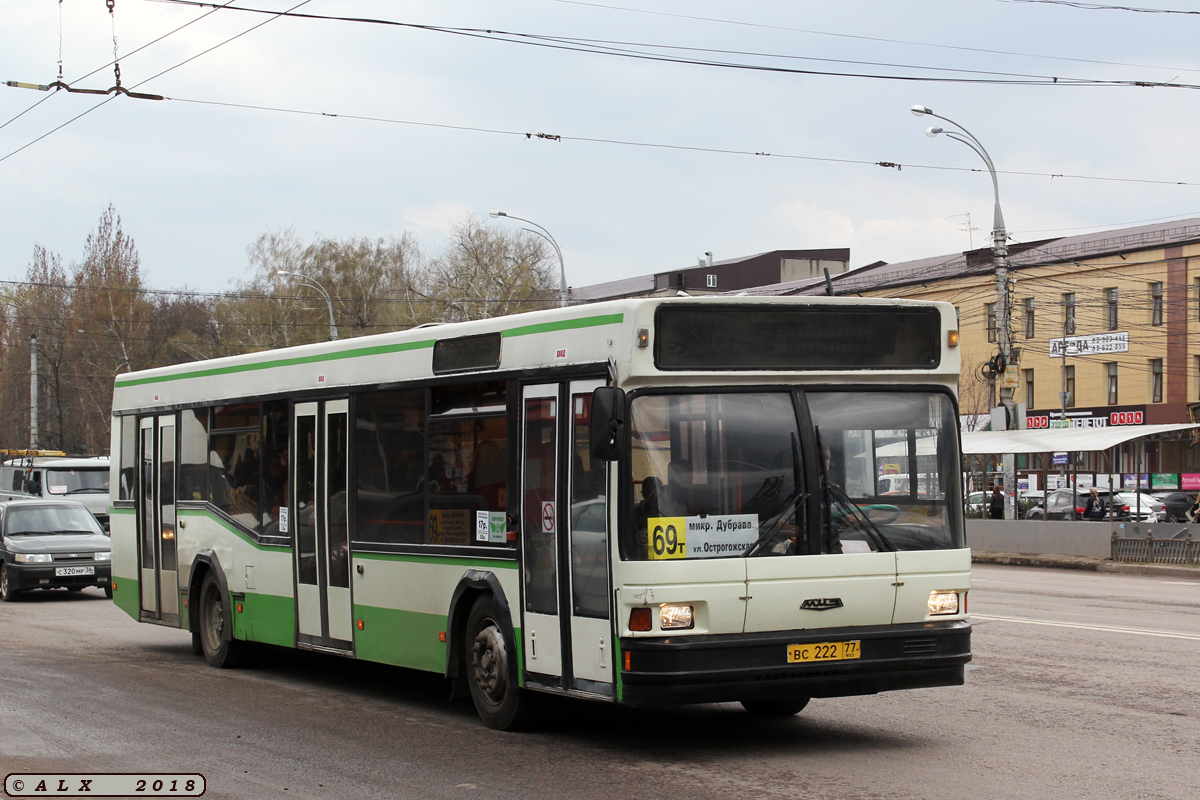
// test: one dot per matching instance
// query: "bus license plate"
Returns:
(63, 572)
(823, 651)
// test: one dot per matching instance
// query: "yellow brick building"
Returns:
(1134, 358)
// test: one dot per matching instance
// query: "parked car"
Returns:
(977, 504)
(1071, 504)
(1175, 505)
(1127, 507)
(48, 544)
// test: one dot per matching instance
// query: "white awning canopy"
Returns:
(1061, 440)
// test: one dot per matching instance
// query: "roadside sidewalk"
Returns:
(1086, 563)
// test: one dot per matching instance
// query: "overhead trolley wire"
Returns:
(602, 47)
(878, 39)
(165, 71)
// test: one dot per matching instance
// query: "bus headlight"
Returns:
(32, 558)
(941, 603)
(676, 617)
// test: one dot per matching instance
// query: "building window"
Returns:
(1156, 304)
(1070, 387)
(1112, 308)
(1069, 313)
(712, 281)
(1112, 384)
(1029, 326)
(991, 321)
(1198, 298)
(1028, 388)
(1156, 380)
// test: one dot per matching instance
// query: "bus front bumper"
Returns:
(754, 666)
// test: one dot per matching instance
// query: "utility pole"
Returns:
(33, 393)
(1004, 361)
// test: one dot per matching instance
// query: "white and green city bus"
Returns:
(650, 501)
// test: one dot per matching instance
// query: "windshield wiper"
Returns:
(844, 500)
(796, 498)
(87, 489)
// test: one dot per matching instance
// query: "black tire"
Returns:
(786, 707)
(491, 668)
(220, 649)
(108, 590)
(7, 593)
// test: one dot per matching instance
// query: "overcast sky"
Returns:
(196, 179)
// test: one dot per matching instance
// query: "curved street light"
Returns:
(545, 234)
(333, 334)
(999, 234)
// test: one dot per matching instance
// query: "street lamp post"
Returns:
(333, 334)
(999, 234)
(1000, 261)
(545, 234)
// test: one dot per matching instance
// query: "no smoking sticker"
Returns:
(548, 517)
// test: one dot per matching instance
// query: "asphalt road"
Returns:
(1084, 685)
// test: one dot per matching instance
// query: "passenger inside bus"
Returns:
(677, 498)
(647, 509)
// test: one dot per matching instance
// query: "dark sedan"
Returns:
(1176, 505)
(49, 544)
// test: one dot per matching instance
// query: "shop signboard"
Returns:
(1096, 417)
(1090, 345)
(1164, 480)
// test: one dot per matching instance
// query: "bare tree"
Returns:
(489, 272)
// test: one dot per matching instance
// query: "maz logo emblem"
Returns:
(821, 603)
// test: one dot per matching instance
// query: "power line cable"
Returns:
(528, 134)
(601, 47)
(877, 39)
(165, 71)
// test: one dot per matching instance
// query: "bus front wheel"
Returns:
(220, 649)
(491, 668)
(787, 707)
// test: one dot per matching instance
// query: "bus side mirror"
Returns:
(607, 431)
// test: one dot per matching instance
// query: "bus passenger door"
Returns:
(320, 519)
(156, 519)
(564, 547)
(542, 628)
(589, 590)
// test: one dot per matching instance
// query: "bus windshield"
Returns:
(722, 474)
(889, 470)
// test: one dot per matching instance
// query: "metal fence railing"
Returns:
(1181, 549)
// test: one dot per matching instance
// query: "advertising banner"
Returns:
(1164, 480)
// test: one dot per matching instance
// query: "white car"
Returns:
(1147, 512)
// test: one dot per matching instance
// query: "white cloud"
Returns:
(813, 226)
(437, 218)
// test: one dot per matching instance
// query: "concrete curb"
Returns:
(1086, 563)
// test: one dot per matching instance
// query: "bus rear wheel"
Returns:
(786, 707)
(491, 668)
(220, 649)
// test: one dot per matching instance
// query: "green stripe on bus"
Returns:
(564, 325)
(450, 561)
(340, 355)
(266, 618)
(383, 349)
(127, 595)
(403, 638)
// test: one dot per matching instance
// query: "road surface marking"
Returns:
(1109, 628)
